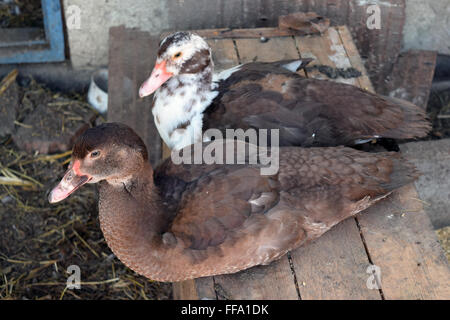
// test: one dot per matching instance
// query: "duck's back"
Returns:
(309, 112)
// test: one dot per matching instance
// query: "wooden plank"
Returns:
(274, 281)
(227, 33)
(304, 23)
(184, 290)
(205, 288)
(401, 241)
(198, 289)
(325, 50)
(131, 58)
(355, 58)
(380, 47)
(223, 53)
(334, 266)
(255, 50)
(411, 77)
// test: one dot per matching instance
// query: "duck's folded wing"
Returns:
(238, 219)
(251, 106)
(312, 112)
(226, 186)
(351, 173)
(313, 185)
(215, 207)
(360, 112)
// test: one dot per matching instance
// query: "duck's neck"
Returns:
(132, 218)
(179, 105)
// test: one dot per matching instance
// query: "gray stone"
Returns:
(432, 158)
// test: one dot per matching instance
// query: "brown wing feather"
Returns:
(358, 113)
(310, 112)
(207, 218)
(314, 189)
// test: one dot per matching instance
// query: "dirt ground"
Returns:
(39, 241)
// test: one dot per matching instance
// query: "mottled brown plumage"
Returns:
(187, 221)
(310, 112)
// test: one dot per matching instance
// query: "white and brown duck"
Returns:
(186, 221)
(189, 99)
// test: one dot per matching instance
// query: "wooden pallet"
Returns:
(411, 77)
(395, 235)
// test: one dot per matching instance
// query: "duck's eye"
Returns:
(177, 55)
(95, 154)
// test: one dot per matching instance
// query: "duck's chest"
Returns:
(178, 113)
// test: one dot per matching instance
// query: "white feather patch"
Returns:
(185, 105)
(223, 75)
(292, 66)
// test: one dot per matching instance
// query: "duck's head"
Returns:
(111, 151)
(179, 53)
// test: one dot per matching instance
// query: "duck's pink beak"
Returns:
(71, 181)
(157, 78)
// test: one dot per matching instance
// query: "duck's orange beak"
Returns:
(71, 181)
(157, 78)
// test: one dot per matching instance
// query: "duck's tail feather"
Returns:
(403, 172)
(415, 121)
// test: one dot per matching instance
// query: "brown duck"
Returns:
(186, 221)
(189, 99)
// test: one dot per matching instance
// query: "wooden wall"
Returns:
(379, 48)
